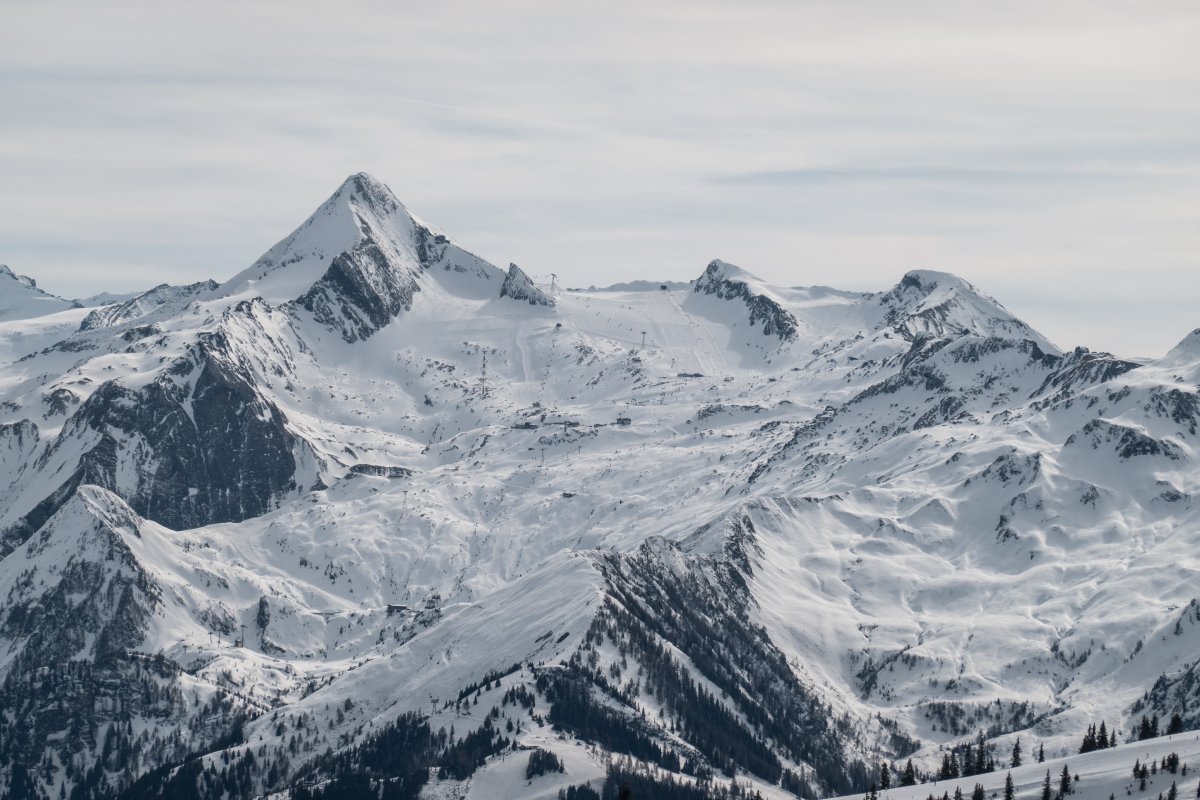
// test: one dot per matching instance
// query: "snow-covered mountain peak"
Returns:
(726, 281)
(1186, 352)
(719, 271)
(20, 298)
(164, 297)
(359, 260)
(927, 303)
(5, 271)
(368, 189)
(104, 506)
(361, 208)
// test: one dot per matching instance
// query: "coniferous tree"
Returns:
(1089, 740)
(885, 776)
(1064, 782)
(1143, 728)
(1175, 725)
(978, 793)
(1041, 752)
(21, 786)
(1009, 789)
(1046, 793)
(909, 777)
(1016, 753)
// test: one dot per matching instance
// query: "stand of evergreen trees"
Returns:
(762, 708)
(541, 762)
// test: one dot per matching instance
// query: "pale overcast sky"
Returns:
(1047, 151)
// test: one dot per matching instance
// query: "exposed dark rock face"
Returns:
(721, 279)
(1128, 442)
(1080, 369)
(1180, 406)
(18, 442)
(377, 471)
(367, 286)
(361, 291)
(518, 286)
(183, 453)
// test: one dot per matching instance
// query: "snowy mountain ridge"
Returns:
(20, 298)
(724, 529)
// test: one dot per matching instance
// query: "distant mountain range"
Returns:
(376, 518)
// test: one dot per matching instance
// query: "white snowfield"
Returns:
(956, 525)
(21, 299)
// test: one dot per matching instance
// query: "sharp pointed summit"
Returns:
(362, 208)
(358, 261)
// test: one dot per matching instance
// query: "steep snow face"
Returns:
(1185, 355)
(403, 470)
(20, 298)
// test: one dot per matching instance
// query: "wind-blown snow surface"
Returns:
(401, 469)
(20, 298)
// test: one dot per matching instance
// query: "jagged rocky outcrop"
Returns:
(728, 282)
(938, 304)
(199, 444)
(1125, 441)
(1080, 369)
(361, 292)
(518, 286)
(164, 297)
